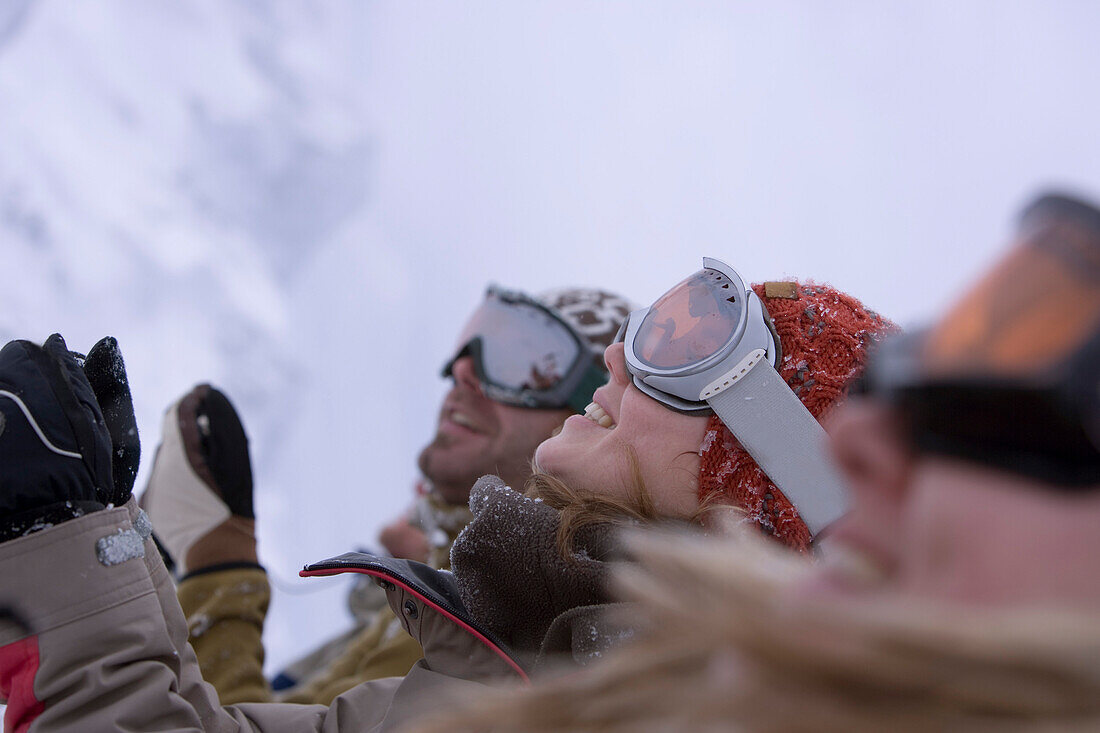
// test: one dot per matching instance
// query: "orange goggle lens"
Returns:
(1033, 311)
(691, 322)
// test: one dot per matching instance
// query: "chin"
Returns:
(537, 458)
(554, 469)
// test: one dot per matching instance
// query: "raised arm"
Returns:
(102, 643)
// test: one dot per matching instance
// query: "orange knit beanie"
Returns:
(824, 334)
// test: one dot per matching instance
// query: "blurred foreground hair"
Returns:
(727, 645)
(581, 509)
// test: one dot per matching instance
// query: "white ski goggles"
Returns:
(708, 345)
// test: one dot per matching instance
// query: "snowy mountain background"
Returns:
(301, 201)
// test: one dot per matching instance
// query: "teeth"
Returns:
(460, 419)
(598, 415)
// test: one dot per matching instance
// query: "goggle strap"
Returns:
(593, 379)
(785, 440)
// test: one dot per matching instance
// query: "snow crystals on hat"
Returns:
(824, 335)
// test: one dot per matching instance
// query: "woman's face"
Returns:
(594, 457)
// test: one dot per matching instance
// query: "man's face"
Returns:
(942, 528)
(476, 436)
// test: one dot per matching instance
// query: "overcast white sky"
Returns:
(302, 201)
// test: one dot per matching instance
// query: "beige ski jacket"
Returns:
(105, 646)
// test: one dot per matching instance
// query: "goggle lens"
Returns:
(1031, 313)
(1035, 309)
(691, 322)
(522, 346)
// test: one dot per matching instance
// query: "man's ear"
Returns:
(870, 447)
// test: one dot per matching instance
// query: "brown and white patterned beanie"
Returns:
(595, 314)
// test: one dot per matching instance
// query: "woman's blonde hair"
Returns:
(580, 509)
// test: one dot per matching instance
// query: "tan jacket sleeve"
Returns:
(108, 648)
(225, 613)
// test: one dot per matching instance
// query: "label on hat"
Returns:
(785, 289)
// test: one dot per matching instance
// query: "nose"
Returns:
(614, 356)
(465, 375)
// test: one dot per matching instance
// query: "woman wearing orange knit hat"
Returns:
(789, 351)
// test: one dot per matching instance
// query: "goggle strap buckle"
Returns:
(733, 376)
(785, 440)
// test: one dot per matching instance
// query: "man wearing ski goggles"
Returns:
(707, 346)
(973, 453)
(521, 365)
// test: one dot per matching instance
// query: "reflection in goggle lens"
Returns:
(522, 346)
(690, 322)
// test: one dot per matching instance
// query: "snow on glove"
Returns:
(515, 536)
(199, 496)
(55, 447)
(106, 373)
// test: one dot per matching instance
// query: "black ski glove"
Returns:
(222, 446)
(56, 452)
(199, 495)
(106, 373)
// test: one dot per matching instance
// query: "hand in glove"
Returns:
(55, 444)
(402, 538)
(199, 496)
(106, 373)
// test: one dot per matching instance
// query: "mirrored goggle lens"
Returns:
(691, 322)
(523, 347)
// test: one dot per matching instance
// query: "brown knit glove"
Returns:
(509, 571)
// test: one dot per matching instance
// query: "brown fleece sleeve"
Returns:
(225, 612)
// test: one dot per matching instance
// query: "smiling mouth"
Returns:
(598, 415)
